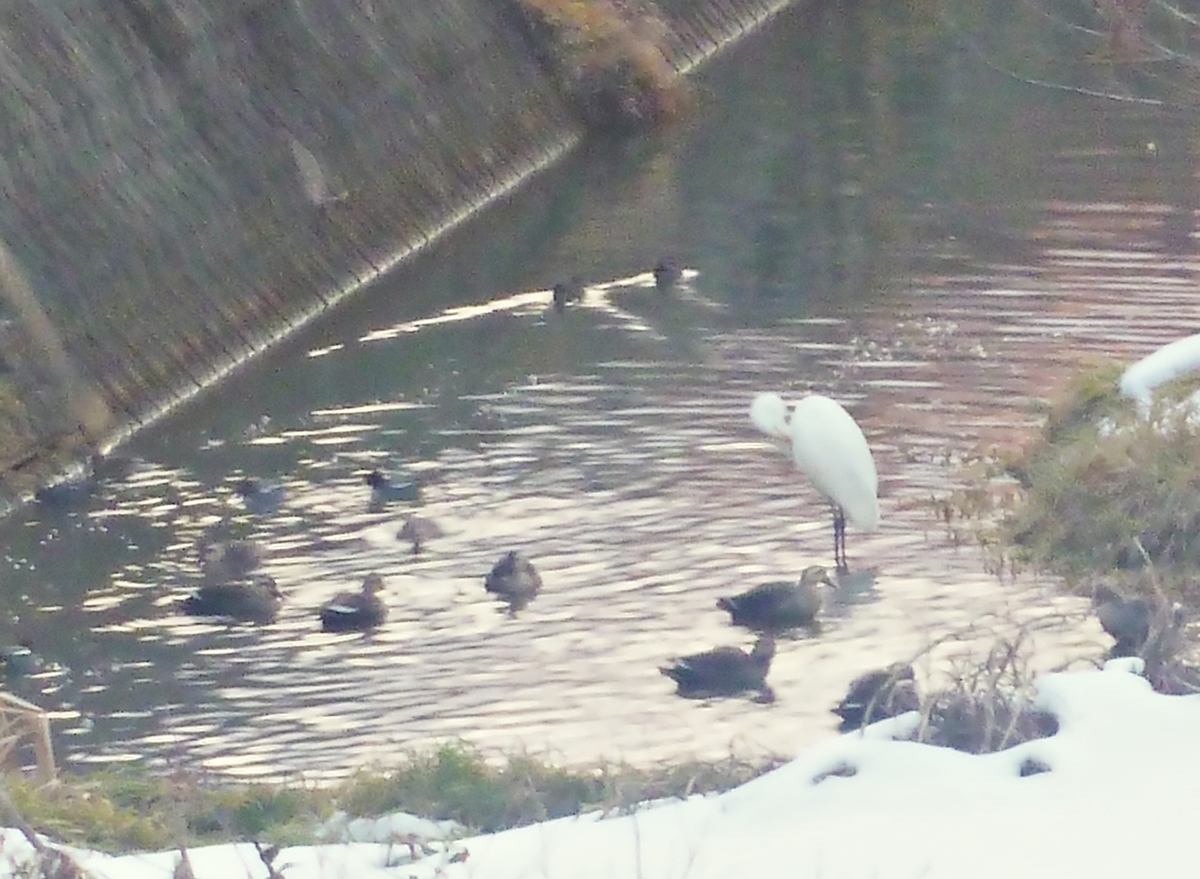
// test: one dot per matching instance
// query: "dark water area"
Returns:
(929, 242)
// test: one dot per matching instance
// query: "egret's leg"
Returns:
(839, 540)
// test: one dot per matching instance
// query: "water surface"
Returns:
(939, 260)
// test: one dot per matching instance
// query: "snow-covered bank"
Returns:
(1119, 798)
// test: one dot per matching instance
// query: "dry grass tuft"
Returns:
(610, 59)
(987, 705)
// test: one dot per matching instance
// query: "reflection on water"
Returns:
(611, 445)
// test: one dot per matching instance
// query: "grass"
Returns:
(1108, 490)
(1103, 493)
(987, 704)
(132, 808)
(610, 60)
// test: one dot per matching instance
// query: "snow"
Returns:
(1164, 364)
(1119, 799)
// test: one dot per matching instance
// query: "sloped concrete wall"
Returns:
(184, 180)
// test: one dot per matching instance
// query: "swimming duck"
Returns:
(724, 671)
(417, 530)
(666, 274)
(19, 660)
(1126, 619)
(229, 560)
(255, 602)
(74, 492)
(68, 495)
(567, 291)
(384, 490)
(514, 579)
(113, 468)
(878, 694)
(261, 498)
(355, 610)
(777, 607)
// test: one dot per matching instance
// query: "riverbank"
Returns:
(873, 804)
(197, 184)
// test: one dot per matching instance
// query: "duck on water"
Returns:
(256, 601)
(781, 606)
(355, 611)
(724, 671)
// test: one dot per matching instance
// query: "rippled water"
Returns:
(938, 292)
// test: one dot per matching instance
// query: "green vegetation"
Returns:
(1104, 492)
(133, 809)
(1107, 492)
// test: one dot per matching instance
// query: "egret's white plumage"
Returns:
(829, 447)
(769, 414)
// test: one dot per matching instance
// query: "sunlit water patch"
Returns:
(611, 444)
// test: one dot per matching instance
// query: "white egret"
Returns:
(828, 446)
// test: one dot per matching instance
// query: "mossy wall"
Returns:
(186, 180)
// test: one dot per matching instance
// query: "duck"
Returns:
(69, 495)
(256, 601)
(113, 468)
(565, 292)
(74, 492)
(384, 490)
(417, 530)
(878, 694)
(513, 578)
(666, 274)
(1127, 620)
(780, 606)
(724, 671)
(19, 660)
(261, 498)
(361, 610)
(226, 560)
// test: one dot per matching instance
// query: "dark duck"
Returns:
(878, 694)
(350, 611)
(724, 671)
(256, 601)
(779, 607)
(514, 579)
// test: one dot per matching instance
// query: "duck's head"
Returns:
(268, 585)
(764, 650)
(562, 295)
(375, 479)
(814, 576)
(246, 487)
(666, 273)
(901, 671)
(373, 585)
